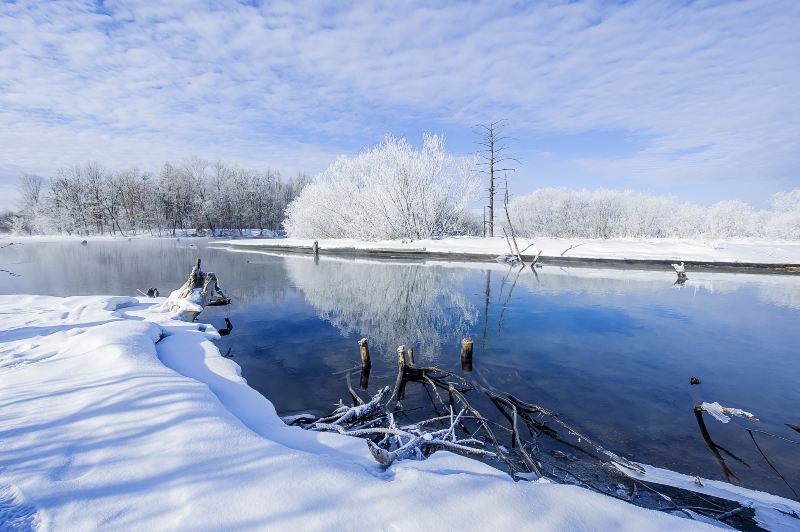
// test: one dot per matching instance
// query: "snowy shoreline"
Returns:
(781, 256)
(115, 416)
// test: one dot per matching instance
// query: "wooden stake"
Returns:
(466, 354)
(400, 384)
(364, 380)
(411, 355)
(315, 248)
(364, 350)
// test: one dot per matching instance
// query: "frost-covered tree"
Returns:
(732, 219)
(30, 215)
(392, 190)
(785, 222)
(192, 194)
(560, 212)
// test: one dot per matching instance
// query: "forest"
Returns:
(212, 198)
(393, 190)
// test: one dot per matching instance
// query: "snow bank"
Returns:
(666, 249)
(113, 416)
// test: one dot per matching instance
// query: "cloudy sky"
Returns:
(698, 99)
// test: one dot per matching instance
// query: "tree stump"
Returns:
(188, 301)
(466, 354)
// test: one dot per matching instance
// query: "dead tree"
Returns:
(493, 160)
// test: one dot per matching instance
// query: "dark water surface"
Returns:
(612, 351)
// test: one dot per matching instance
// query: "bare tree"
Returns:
(493, 161)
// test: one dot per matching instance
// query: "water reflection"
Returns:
(391, 304)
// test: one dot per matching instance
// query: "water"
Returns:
(611, 351)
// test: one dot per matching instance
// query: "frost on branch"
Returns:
(397, 442)
(390, 191)
(194, 295)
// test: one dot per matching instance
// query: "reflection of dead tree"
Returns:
(769, 463)
(724, 413)
(486, 295)
(716, 448)
(508, 296)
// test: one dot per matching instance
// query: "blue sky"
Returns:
(696, 99)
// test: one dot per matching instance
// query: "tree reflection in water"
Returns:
(388, 303)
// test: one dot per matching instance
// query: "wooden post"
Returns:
(411, 355)
(315, 248)
(364, 349)
(401, 365)
(466, 354)
(364, 380)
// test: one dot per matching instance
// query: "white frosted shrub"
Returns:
(389, 191)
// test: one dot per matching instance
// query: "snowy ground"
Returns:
(667, 249)
(113, 416)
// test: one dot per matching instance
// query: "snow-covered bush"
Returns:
(785, 222)
(561, 212)
(389, 191)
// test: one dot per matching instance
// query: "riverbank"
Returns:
(700, 255)
(115, 416)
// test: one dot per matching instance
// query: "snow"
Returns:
(723, 414)
(666, 249)
(185, 308)
(114, 416)
(771, 512)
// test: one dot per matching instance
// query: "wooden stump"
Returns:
(364, 350)
(466, 354)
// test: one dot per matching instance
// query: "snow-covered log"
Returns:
(188, 301)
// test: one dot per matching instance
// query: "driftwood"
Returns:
(195, 294)
(527, 440)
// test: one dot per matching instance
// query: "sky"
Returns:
(700, 100)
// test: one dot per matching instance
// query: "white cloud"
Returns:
(711, 86)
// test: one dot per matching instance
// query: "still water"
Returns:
(612, 351)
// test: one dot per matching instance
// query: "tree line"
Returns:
(565, 213)
(211, 198)
(389, 191)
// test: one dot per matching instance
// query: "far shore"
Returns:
(751, 256)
